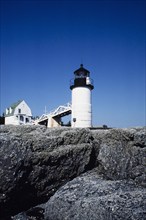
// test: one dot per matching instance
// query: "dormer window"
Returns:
(7, 111)
(10, 110)
(19, 110)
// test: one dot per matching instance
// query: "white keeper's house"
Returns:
(18, 113)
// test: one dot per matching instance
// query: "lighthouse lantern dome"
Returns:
(81, 72)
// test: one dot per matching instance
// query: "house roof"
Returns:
(13, 106)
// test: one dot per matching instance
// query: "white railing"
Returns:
(56, 112)
(61, 109)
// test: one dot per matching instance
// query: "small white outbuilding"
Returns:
(18, 114)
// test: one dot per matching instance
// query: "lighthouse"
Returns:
(81, 87)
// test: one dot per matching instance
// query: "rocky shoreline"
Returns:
(66, 173)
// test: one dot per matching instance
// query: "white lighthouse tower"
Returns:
(81, 87)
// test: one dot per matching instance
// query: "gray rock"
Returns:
(92, 197)
(122, 153)
(35, 162)
(35, 213)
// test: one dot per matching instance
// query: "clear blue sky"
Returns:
(43, 42)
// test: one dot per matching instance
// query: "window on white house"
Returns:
(19, 110)
(21, 118)
(27, 120)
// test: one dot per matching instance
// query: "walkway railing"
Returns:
(62, 109)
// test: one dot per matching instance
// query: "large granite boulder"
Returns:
(122, 153)
(92, 196)
(115, 189)
(35, 162)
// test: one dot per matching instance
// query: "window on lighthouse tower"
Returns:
(81, 75)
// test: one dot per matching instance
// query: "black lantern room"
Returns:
(81, 79)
